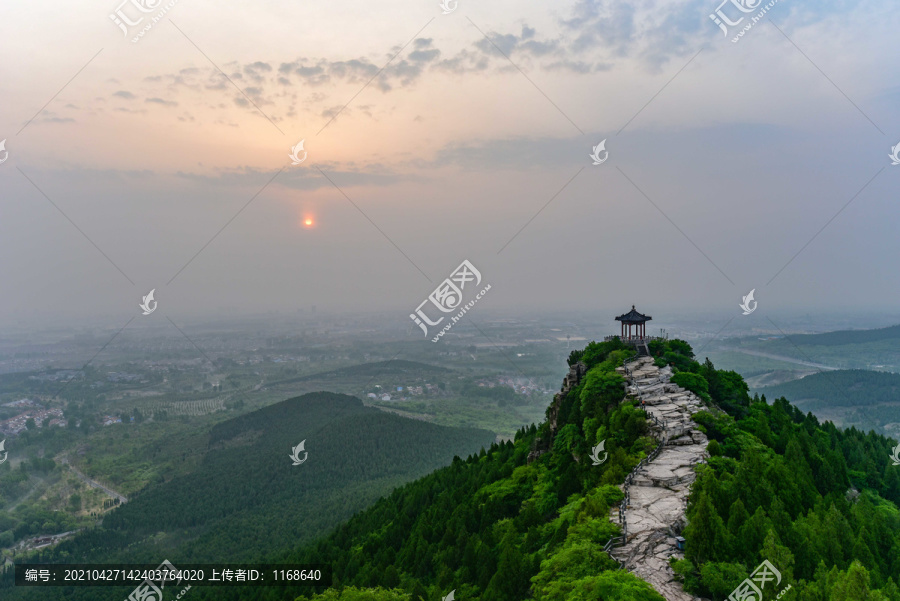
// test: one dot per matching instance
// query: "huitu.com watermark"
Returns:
(751, 589)
(128, 21)
(148, 589)
(448, 297)
(295, 453)
(740, 9)
(749, 304)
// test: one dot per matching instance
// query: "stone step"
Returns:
(658, 491)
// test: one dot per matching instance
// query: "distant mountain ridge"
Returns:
(847, 336)
(848, 397)
(854, 387)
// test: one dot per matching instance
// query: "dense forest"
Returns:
(528, 518)
(246, 500)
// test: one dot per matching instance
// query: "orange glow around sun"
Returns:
(308, 222)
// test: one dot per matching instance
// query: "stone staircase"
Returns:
(656, 492)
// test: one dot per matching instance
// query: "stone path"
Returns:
(656, 493)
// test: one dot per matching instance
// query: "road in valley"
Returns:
(780, 358)
(93, 483)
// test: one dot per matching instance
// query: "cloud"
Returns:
(256, 71)
(653, 34)
(125, 94)
(516, 153)
(346, 177)
(424, 56)
(161, 101)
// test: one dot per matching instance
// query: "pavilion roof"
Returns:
(633, 316)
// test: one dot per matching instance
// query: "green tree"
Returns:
(511, 580)
(352, 593)
(705, 532)
(721, 578)
(853, 584)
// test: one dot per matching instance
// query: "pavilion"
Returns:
(634, 325)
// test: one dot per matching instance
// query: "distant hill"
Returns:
(796, 354)
(246, 498)
(847, 337)
(853, 397)
(846, 387)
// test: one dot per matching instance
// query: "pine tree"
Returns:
(853, 584)
(705, 533)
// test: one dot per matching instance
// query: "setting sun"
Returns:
(308, 222)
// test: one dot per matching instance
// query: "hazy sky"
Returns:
(725, 159)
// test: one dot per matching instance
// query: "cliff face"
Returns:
(570, 381)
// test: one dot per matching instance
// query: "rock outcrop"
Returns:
(570, 381)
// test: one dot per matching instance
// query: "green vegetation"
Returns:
(245, 500)
(776, 489)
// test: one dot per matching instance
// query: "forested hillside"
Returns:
(247, 501)
(818, 503)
